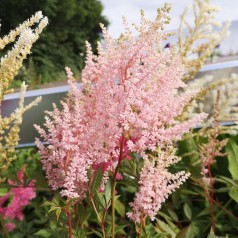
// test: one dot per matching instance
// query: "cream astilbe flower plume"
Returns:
(199, 43)
(9, 67)
(12, 61)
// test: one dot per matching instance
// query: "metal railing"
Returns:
(53, 95)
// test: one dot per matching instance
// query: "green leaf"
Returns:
(204, 213)
(83, 213)
(57, 210)
(173, 215)
(57, 213)
(234, 193)
(80, 233)
(18, 235)
(3, 191)
(226, 180)
(90, 172)
(99, 200)
(54, 208)
(97, 233)
(232, 150)
(119, 229)
(190, 192)
(97, 180)
(151, 231)
(165, 216)
(43, 233)
(187, 211)
(109, 231)
(163, 227)
(120, 208)
(190, 231)
(168, 220)
(108, 191)
(211, 234)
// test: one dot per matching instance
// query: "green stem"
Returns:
(142, 224)
(5, 231)
(114, 185)
(113, 209)
(99, 218)
(141, 229)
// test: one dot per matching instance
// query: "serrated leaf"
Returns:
(232, 150)
(187, 211)
(83, 213)
(211, 234)
(97, 233)
(109, 231)
(189, 192)
(131, 189)
(97, 180)
(205, 212)
(163, 227)
(168, 220)
(120, 208)
(173, 215)
(119, 228)
(108, 191)
(99, 200)
(234, 193)
(57, 213)
(150, 231)
(80, 233)
(89, 172)
(43, 233)
(222, 190)
(54, 208)
(165, 216)
(47, 203)
(190, 231)
(226, 180)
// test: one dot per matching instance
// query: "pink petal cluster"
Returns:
(18, 197)
(129, 92)
(155, 185)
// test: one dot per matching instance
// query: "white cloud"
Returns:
(114, 10)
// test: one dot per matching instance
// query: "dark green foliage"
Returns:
(71, 23)
(185, 214)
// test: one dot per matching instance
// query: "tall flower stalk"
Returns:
(24, 37)
(208, 153)
(128, 102)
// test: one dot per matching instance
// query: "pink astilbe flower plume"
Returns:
(129, 95)
(18, 197)
(155, 185)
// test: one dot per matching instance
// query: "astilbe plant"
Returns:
(16, 199)
(127, 103)
(24, 36)
(206, 99)
(197, 43)
(156, 183)
(208, 153)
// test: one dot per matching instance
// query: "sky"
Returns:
(115, 9)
